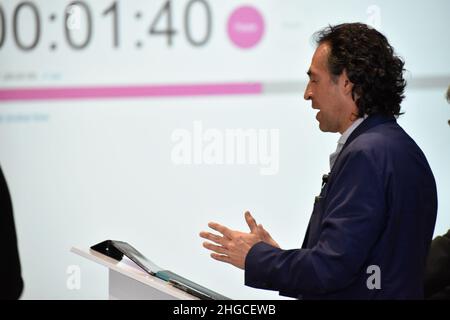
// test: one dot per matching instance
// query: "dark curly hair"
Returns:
(371, 65)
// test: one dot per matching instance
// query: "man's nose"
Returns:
(308, 94)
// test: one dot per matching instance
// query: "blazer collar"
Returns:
(370, 122)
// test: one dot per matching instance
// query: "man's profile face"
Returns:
(325, 94)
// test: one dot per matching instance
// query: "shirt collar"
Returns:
(343, 139)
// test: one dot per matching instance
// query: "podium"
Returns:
(127, 281)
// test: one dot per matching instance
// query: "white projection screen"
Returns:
(142, 121)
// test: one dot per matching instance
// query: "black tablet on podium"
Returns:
(117, 249)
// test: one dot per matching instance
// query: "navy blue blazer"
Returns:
(11, 283)
(378, 208)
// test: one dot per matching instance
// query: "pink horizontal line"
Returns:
(68, 93)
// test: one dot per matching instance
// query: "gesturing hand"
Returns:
(233, 246)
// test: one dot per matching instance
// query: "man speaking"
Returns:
(372, 224)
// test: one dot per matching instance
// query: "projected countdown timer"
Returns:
(245, 25)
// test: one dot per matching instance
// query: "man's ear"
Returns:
(346, 84)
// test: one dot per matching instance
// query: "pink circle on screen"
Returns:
(245, 27)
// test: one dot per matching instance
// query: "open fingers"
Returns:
(213, 247)
(251, 222)
(212, 237)
(221, 257)
(262, 232)
(220, 228)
